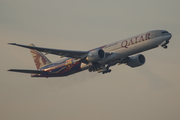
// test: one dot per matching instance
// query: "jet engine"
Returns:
(136, 60)
(95, 55)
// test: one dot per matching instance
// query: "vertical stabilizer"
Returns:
(40, 59)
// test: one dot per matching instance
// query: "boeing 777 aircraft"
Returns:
(98, 59)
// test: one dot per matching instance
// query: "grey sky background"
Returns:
(149, 92)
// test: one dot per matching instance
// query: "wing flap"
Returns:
(26, 71)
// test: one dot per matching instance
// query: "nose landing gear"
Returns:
(165, 45)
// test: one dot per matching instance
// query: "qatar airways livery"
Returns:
(98, 59)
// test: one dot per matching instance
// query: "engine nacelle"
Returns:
(95, 55)
(136, 60)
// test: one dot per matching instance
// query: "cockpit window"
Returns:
(164, 32)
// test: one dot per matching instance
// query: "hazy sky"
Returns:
(149, 92)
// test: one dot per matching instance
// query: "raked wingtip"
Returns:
(12, 43)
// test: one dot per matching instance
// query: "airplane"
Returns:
(96, 60)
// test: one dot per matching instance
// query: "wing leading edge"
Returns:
(64, 53)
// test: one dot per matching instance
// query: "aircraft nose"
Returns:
(170, 35)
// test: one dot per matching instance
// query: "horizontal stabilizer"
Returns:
(26, 71)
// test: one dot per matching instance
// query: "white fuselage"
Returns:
(133, 45)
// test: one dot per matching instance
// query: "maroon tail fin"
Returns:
(40, 59)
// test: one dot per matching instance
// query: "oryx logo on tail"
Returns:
(39, 59)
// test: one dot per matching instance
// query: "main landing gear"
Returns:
(165, 45)
(99, 69)
(107, 70)
(94, 68)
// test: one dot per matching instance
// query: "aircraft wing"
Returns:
(26, 71)
(63, 53)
